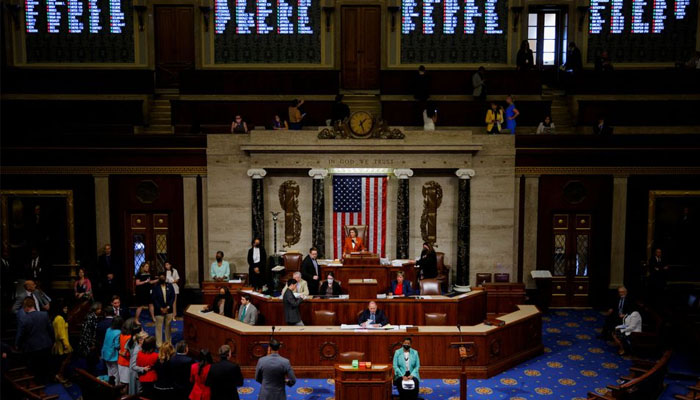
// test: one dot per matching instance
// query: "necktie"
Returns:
(371, 318)
(243, 313)
(315, 267)
(621, 305)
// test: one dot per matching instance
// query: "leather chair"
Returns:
(501, 277)
(324, 317)
(443, 275)
(361, 232)
(435, 319)
(292, 264)
(482, 278)
(348, 356)
(429, 286)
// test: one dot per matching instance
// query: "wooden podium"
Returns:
(362, 288)
(363, 383)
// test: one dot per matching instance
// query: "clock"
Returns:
(361, 123)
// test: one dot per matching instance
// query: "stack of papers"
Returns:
(235, 281)
(399, 263)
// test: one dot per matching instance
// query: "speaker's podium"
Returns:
(362, 258)
(373, 383)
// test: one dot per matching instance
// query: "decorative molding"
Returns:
(257, 350)
(256, 173)
(380, 130)
(651, 213)
(328, 351)
(432, 198)
(318, 173)
(107, 170)
(403, 173)
(536, 171)
(465, 173)
(289, 201)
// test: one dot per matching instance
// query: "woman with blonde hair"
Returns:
(164, 387)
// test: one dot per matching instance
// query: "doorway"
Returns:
(146, 240)
(571, 259)
(361, 44)
(174, 42)
(547, 34)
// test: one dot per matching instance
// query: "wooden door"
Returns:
(571, 259)
(174, 34)
(146, 240)
(361, 43)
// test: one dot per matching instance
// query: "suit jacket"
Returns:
(157, 298)
(400, 365)
(181, 367)
(251, 314)
(105, 265)
(257, 280)
(428, 265)
(604, 130)
(270, 373)
(626, 304)
(347, 246)
(111, 345)
(302, 287)
(224, 378)
(336, 288)
(39, 296)
(34, 332)
(379, 317)
(407, 291)
(291, 307)
(307, 273)
(656, 266)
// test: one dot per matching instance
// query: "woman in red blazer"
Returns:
(352, 243)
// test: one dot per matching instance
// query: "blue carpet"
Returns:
(574, 363)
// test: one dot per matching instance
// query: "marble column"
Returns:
(102, 225)
(619, 222)
(463, 225)
(205, 227)
(191, 219)
(532, 188)
(318, 213)
(258, 203)
(402, 212)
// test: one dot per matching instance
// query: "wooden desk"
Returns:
(362, 288)
(314, 350)
(502, 298)
(384, 274)
(211, 288)
(465, 309)
(363, 383)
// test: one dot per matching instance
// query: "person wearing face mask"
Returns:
(162, 298)
(257, 263)
(330, 287)
(223, 303)
(406, 375)
(427, 262)
(220, 270)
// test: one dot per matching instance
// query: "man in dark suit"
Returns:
(618, 309)
(35, 338)
(162, 298)
(41, 300)
(658, 271)
(106, 274)
(273, 372)
(35, 268)
(119, 311)
(257, 265)
(181, 367)
(330, 287)
(310, 270)
(291, 304)
(372, 316)
(224, 377)
(602, 128)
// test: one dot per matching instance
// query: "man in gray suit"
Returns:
(247, 313)
(273, 372)
(291, 304)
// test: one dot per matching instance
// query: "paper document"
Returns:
(349, 326)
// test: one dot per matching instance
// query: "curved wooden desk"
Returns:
(313, 350)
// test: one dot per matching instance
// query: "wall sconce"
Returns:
(328, 10)
(516, 16)
(205, 10)
(393, 10)
(140, 11)
(582, 11)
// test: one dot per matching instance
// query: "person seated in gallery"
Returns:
(353, 243)
(238, 125)
(631, 322)
(400, 286)
(372, 317)
(302, 288)
(223, 303)
(427, 262)
(617, 311)
(406, 371)
(330, 287)
(220, 270)
(257, 263)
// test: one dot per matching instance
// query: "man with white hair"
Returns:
(302, 287)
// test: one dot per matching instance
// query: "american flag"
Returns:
(360, 200)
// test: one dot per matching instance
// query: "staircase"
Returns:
(364, 102)
(561, 116)
(160, 113)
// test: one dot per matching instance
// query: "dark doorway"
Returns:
(174, 34)
(361, 43)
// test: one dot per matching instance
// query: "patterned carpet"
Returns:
(574, 363)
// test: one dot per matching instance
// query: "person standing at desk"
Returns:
(220, 270)
(291, 305)
(406, 374)
(257, 262)
(352, 243)
(330, 287)
(400, 286)
(427, 263)
(372, 316)
(310, 270)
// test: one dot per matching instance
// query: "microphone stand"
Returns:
(464, 355)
